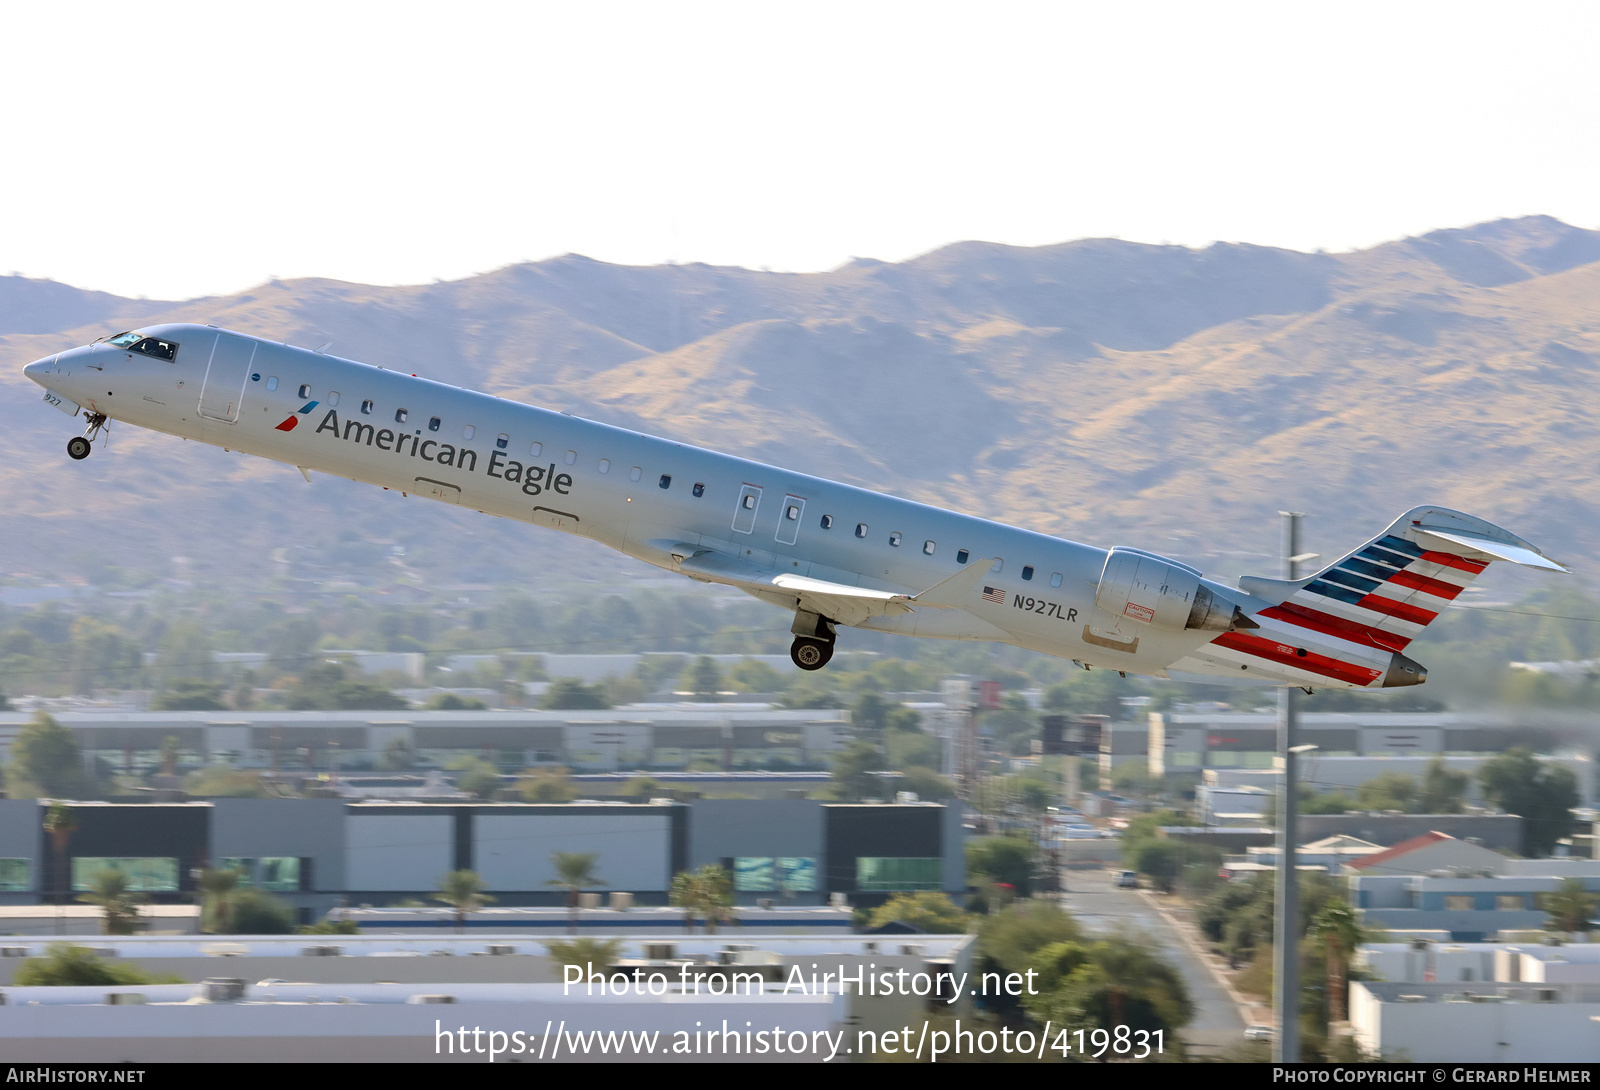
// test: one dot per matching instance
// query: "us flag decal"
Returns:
(991, 594)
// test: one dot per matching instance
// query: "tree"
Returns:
(462, 890)
(854, 769)
(869, 715)
(570, 694)
(1389, 791)
(927, 785)
(1340, 928)
(1003, 860)
(1009, 939)
(642, 789)
(327, 685)
(1444, 790)
(754, 676)
(1570, 908)
(218, 889)
(477, 776)
(45, 760)
(187, 694)
(65, 964)
(109, 890)
(703, 679)
(1113, 982)
(575, 872)
(546, 785)
(705, 894)
(1161, 860)
(925, 910)
(60, 824)
(586, 951)
(451, 702)
(1544, 794)
(259, 913)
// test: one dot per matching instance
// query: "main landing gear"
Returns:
(78, 446)
(813, 641)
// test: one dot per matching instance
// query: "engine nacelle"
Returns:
(1140, 590)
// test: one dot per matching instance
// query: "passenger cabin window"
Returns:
(536, 449)
(1027, 571)
(827, 522)
(699, 489)
(333, 398)
(927, 548)
(894, 539)
(366, 407)
(154, 346)
(400, 415)
(272, 383)
(571, 458)
(999, 562)
(305, 389)
(635, 473)
(792, 513)
(605, 465)
(665, 481)
(433, 423)
(468, 432)
(861, 529)
(749, 502)
(1055, 579)
(962, 556)
(502, 441)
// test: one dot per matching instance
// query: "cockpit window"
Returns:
(155, 346)
(123, 340)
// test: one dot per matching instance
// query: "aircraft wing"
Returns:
(839, 602)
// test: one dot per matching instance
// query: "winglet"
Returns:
(1518, 553)
(947, 594)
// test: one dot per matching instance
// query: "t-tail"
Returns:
(1348, 625)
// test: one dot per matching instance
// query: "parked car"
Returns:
(1128, 880)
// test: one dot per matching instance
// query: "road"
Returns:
(1093, 898)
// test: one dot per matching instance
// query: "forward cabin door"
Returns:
(226, 376)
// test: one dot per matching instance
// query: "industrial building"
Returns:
(633, 737)
(317, 854)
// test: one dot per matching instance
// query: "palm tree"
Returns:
(1341, 933)
(462, 890)
(110, 891)
(574, 871)
(706, 893)
(60, 823)
(217, 888)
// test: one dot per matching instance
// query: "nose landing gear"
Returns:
(78, 446)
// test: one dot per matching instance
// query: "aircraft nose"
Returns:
(39, 368)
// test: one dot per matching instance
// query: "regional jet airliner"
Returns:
(831, 554)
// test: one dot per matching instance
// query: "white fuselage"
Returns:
(636, 493)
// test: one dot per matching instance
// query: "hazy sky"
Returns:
(173, 150)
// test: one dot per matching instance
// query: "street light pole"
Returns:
(1286, 917)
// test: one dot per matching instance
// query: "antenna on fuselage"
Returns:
(323, 347)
